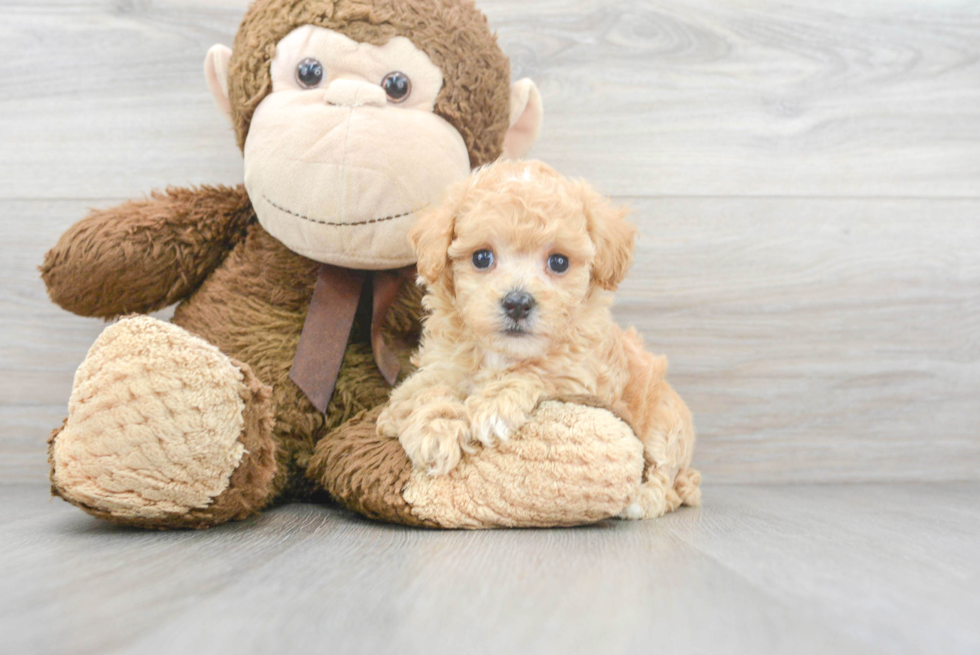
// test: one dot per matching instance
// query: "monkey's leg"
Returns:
(569, 465)
(164, 431)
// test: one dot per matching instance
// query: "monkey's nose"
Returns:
(351, 93)
(518, 304)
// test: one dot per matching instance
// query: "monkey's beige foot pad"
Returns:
(163, 430)
(570, 465)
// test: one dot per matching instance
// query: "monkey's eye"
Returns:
(558, 263)
(483, 259)
(309, 73)
(397, 86)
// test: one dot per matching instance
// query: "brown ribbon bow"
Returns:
(328, 324)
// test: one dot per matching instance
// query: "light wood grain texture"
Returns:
(815, 340)
(800, 569)
(806, 177)
(762, 97)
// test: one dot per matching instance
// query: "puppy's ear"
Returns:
(613, 238)
(432, 235)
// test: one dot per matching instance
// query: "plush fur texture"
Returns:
(145, 254)
(239, 288)
(484, 367)
(253, 309)
(367, 474)
(136, 446)
(251, 306)
(475, 98)
(569, 464)
(337, 171)
(246, 295)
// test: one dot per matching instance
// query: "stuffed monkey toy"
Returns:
(297, 308)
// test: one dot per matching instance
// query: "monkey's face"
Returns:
(346, 148)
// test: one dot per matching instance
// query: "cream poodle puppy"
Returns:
(519, 265)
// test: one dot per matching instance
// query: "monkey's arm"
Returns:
(145, 254)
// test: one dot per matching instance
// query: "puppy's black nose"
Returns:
(518, 304)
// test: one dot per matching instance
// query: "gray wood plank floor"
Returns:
(760, 569)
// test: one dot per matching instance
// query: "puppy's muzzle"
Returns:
(517, 305)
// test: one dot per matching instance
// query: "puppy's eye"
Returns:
(397, 86)
(309, 73)
(558, 264)
(483, 258)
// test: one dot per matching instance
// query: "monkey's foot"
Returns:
(569, 465)
(163, 431)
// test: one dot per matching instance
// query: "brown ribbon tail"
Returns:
(387, 284)
(325, 333)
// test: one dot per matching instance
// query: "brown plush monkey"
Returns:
(294, 317)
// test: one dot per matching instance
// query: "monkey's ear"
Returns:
(216, 73)
(526, 113)
(432, 235)
(613, 237)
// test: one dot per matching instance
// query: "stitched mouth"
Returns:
(339, 224)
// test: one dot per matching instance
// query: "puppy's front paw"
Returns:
(491, 428)
(492, 420)
(391, 420)
(434, 438)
